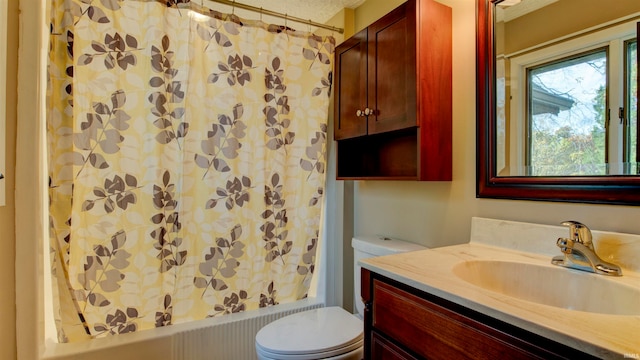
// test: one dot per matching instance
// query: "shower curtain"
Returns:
(186, 154)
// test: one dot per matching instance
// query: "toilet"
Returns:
(330, 333)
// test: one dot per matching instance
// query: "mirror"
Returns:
(557, 100)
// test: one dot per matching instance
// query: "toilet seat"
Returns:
(320, 333)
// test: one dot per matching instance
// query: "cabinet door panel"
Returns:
(385, 350)
(392, 73)
(351, 87)
(436, 333)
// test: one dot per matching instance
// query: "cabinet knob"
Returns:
(366, 112)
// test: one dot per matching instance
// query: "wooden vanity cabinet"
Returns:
(402, 322)
(392, 110)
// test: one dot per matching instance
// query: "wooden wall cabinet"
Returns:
(405, 323)
(392, 113)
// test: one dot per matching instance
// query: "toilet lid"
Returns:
(325, 330)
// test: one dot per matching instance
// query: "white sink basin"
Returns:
(553, 286)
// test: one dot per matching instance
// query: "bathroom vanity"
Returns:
(406, 323)
(449, 303)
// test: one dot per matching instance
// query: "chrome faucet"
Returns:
(579, 252)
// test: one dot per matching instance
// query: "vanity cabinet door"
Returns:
(351, 87)
(382, 349)
(405, 323)
(434, 332)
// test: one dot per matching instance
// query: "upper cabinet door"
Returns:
(391, 95)
(351, 87)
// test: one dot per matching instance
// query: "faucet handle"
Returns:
(565, 245)
(579, 232)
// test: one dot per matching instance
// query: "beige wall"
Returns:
(7, 228)
(439, 213)
(372, 10)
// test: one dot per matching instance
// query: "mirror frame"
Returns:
(620, 189)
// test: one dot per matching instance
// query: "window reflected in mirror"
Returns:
(566, 104)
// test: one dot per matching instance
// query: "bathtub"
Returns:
(219, 338)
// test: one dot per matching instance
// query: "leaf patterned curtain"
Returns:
(186, 154)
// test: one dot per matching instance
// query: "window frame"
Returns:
(627, 156)
(528, 118)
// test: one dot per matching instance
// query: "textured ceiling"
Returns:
(315, 10)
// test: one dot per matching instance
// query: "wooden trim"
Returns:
(366, 293)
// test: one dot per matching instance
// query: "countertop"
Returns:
(602, 335)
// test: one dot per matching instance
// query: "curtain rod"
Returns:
(277, 14)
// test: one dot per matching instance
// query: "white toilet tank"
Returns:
(371, 246)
